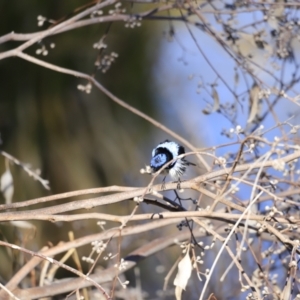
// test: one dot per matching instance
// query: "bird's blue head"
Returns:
(158, 161)
(160, 157)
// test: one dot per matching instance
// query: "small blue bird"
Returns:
(168, 151)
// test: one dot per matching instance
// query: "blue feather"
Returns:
(158, 161)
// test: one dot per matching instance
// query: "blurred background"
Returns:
(80, 140)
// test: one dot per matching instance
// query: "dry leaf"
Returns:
(254, 103)
(212, 297)
(7, 185)
(236, 78)
(246, 44)
(206, 111)
(178, 292)
(286, 293)
(23, 224)
(183, 275)
(216, 98)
